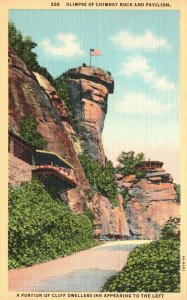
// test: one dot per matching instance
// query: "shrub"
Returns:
(128, 162)
(88, 212)
(62, 87)
(177, 188)
(91, 193)
(125, 195)
(101, 179)
(153, 267)
(42, 228)
(171, 229)
(115, 203)
(30, 135)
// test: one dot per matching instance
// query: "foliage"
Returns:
(171, 229)
(91, 193)
(139, 175)
(115, 203)
(29, 133)
(61, 85)
(125, 195)
(128, 162)
(42, 228)
(177, 188)
(24, 47)
(101, 179)
(153, 267)
(89, 214)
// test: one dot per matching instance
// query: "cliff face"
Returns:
(18, 170)
(89, 89)
(26, 97)
(150, 203)
(108, 220)
(32, 94)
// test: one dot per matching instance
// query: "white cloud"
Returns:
(140, 103)
(147, 42)
(139, 65)
(67, 45)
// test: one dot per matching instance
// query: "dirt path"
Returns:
(83, 271)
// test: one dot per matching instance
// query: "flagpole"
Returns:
(94, 52)
(90, 59)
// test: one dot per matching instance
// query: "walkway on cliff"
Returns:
(83, 271)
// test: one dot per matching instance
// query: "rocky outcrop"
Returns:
(89, 89)
(150, 203)
(32, 94)
(108, 220)
(26, 97)
(51, 92)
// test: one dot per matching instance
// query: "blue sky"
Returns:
(140, 49)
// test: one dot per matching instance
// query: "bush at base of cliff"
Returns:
(171, 229)
(42, 228)
(88, 212)
(153, 267)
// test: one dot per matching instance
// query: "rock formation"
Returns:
(26, 97)
(32, 94)
(89, 89)
(108, 220)
(150, 203)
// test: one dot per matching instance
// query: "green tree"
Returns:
(61, 85)
(29, 57)
(91, 168)
(15, 38)
(101, 179)
(24, 48)
(106, 181)
(128, 162)
(29, 133)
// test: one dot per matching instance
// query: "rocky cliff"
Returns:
(150, 202)
(26, 97)
(108, 220)
(30, 94)
(89, 89)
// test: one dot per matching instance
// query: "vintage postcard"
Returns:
(93, 149)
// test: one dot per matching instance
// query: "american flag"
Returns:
(95, 52)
